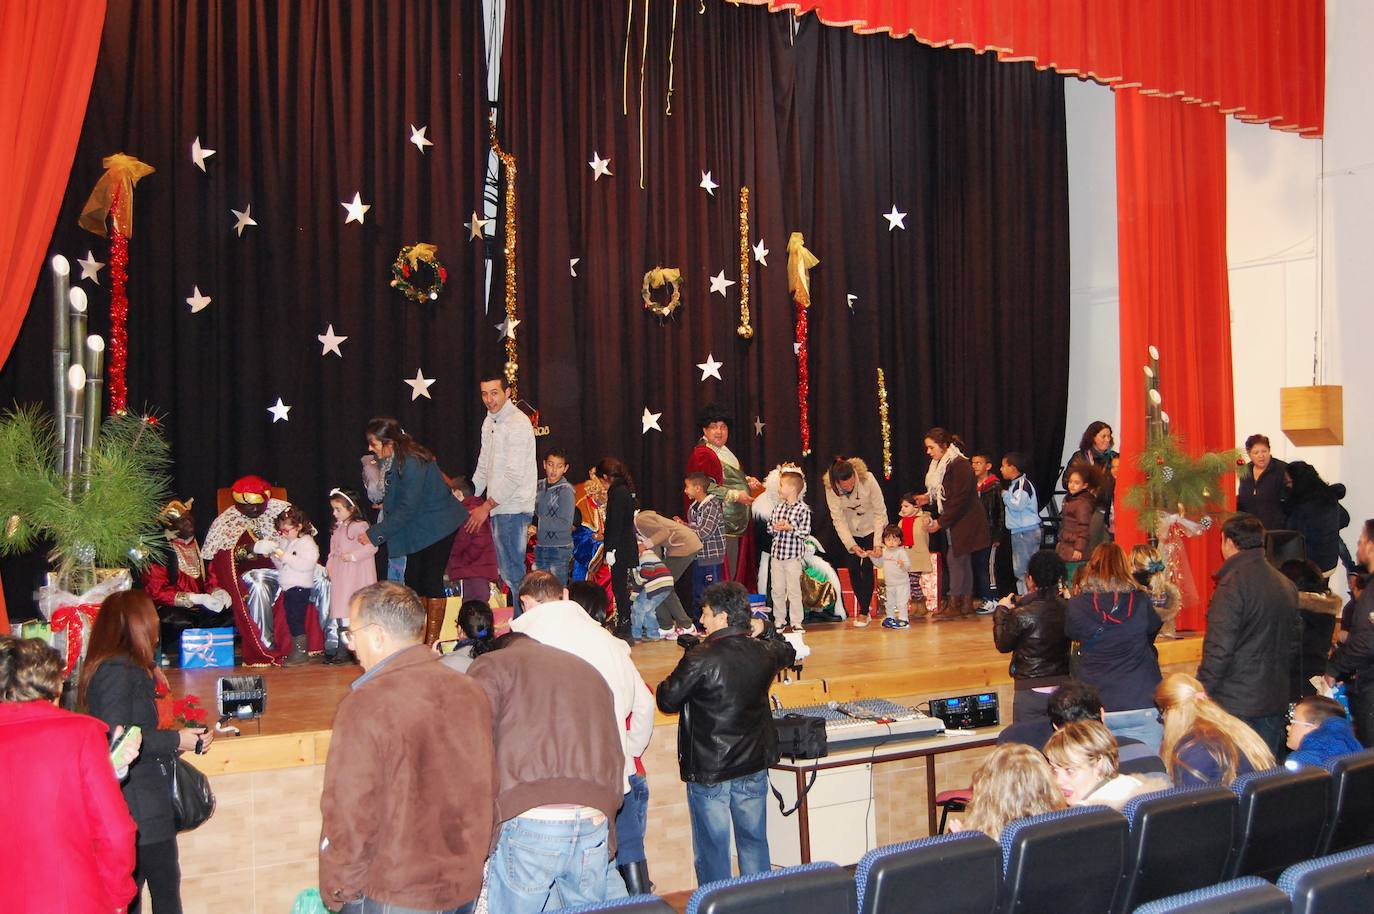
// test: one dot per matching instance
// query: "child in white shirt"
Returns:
(896, 568)
(295, 554)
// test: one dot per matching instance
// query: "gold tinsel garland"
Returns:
(508, 165)
(886, 426)
(745, 329)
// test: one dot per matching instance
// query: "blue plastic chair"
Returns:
(1337, 884)
(1246, 895)
(634, 904)
(1282, 818)
(949, 874)
(1180, 840)
(812, 888)
(1069, 861)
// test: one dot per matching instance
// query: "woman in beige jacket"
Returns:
(858, 513)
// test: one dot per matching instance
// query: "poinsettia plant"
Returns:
(177, 713)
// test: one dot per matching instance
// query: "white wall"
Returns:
(1094, 328)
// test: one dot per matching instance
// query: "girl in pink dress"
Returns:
(350, 566)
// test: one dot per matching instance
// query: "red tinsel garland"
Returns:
(803, 379)
(119, 317)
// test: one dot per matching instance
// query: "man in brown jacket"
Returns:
(561, 773)
(399, 834)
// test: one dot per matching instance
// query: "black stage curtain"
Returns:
(966, 310)
(308, 102)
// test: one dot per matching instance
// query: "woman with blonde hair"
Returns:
(1087, 766)
(1014, 782)
(1203, 744)
(1115, 624)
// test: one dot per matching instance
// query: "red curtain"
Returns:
(47, 59)
(1171, 230)
(1263, 60)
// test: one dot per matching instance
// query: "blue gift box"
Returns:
(202, 648)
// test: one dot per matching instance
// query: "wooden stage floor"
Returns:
(845, 662)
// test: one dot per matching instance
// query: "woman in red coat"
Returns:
(68, 842)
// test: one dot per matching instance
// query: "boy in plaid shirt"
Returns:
(791, 525)
(706, 517)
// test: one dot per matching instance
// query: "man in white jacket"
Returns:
(551, 618)
(506, 472)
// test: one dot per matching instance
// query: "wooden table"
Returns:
(927, 747)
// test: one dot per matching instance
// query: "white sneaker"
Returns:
(861, 621)
(667, 634)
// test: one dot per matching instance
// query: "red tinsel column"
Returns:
(799, 264)
(112, 202)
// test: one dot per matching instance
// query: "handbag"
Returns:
(800, 736)
(193, 802)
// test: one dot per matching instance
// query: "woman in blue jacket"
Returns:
(420, 516)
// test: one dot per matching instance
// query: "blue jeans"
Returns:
(396, 569)
(540, 865)
(703, 576)
(367, 905)
(644, 614)
(714, 809)
(1142, 724)
(631, 821)
(509, 532)
(1023, 546)
(557, 559)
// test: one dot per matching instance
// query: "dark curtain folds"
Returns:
(305, 103)
(966, 309)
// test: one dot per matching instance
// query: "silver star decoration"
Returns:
(707, 184)
(761, 253)
(417, 136)
(507, 328)
(419, 385)
(895, 219)
(572, 266)
(649, 420)
(329, 342)
(279, 411)
(849, 299)
(758, 426)
(199, 154)
(356, 210)
(600, 166)
(476, 227)
(719, 283)
(90, 267)
(796, 348)
(244, 219)
(197, 301)
(710, 368)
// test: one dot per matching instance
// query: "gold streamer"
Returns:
(745, 328)
(625, 65)
(799, 264)
(113, 195)
(672, 42)
(887, 428)
(643, 57)
(508, 164)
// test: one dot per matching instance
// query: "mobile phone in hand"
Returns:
(122, 751)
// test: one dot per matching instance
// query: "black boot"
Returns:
(636, 876)
(297, 655)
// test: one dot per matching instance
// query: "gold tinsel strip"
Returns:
(886, 426)
(508, 165)
(643, 56)
(672, 42)
(745, 329)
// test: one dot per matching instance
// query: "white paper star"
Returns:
(796, 348)
(199, 154)
(507, 328)
(758, 426)
(419, 385)
(719, 283)
(279, 411)
(649, 420)
(244, 219)
(761, 253)
(417, 136)
(572, 266)
(600, 166)
(90, 267)
(356, 210)
(329, 342)
(476, 227)
(895, 219)
(707, 184)
(849, 299)
(197, 301)
(710, 368)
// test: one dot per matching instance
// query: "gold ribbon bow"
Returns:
(113, 197)
(422, 251)
(799, 263)
(660, 275)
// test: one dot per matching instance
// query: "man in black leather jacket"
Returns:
(725, 738)
(1253, 629)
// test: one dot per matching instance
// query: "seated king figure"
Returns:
(229, 550)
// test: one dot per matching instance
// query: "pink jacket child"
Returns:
(351, 565)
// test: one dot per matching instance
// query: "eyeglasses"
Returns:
(1300, 723)
(347, 633)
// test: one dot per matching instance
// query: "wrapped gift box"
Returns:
(204, 648)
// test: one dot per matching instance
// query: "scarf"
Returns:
(935, 476)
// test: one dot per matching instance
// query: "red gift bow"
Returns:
(67, 619)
